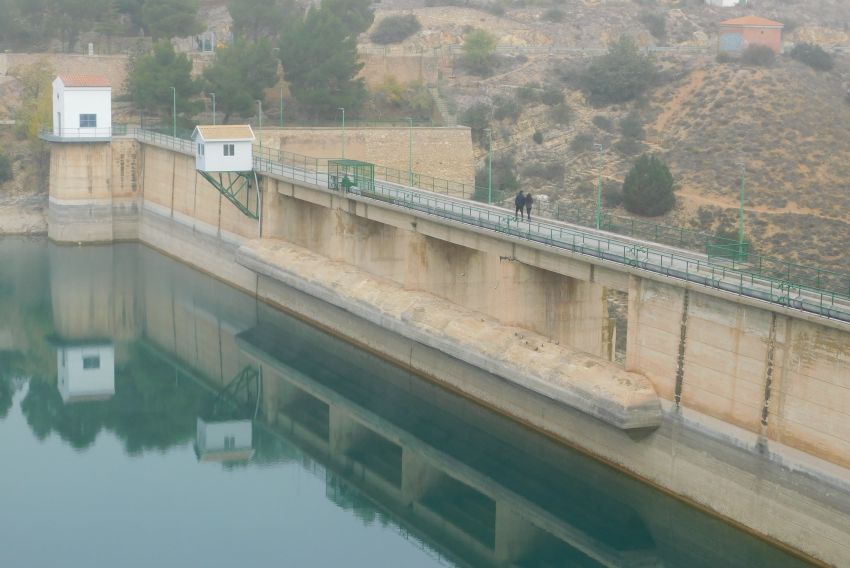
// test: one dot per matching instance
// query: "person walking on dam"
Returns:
(529, 201)
(519, 201)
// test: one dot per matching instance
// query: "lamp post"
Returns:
(410, 150)
(489, 166)
(260, 121)
(343, 130)
(600, 148)
(281, 107)
(213, 98)
(174, 112)
(741, 210)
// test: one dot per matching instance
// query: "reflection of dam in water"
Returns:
(473, 485)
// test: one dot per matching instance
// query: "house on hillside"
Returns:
(82, 107)
(224, 148)
(739, 33)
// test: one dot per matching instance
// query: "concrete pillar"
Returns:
(277, 393)
(633, 324)
(344, 432)
(417, 476)
(515, 536)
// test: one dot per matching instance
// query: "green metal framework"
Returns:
(239, 400)
(236, 187)
(351, 175)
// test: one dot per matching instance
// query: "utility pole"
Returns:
(260, 121)
(410, 150)
(281, 107)
(600, 148)
(343, 130)
(741, 210)
(174, 112)
(489, 166)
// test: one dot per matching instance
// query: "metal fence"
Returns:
(807, 288)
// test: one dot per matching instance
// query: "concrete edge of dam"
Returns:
(589, 384)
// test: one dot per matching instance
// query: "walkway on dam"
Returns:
(624, 251)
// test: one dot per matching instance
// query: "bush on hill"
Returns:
(395, 29)
(812, 55)
(648, 188)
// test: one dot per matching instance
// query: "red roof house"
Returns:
(739, 33)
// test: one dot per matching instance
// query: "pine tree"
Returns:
(648, 189)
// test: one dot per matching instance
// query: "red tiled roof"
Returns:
(753, 21)
(85, 80)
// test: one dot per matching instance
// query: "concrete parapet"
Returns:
(596, 387)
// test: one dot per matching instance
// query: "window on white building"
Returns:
(88, 121)
(91, 362)
(229, 150)
(229, 442)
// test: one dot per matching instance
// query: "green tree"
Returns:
(257, 19)
(648, 188)
(505, 182)
(477, 117)
(152, 76)
(356, 15)
(239, 76)
(319, 56)
(812, 55)
(395, 29)
(620, 75)
(479, 47)
(5, 168)
(171, 18)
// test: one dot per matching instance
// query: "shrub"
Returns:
(725, 57)
(538, 137)
(5, 168)
(620, 75)
(758, 55)
(612, 194)
(552, 96)
(812, 55)
(395, 29)
(554, 15)
(504, 179)
(648, 188)
(631, 127)
(629, 146)
(561, 114)
(506, 107)
(583, 142)
(479, 46)
(477, 118)
(603, 122)
(529, 93)
(551, 171)
(655, 23)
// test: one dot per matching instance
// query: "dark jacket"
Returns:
(529, 201)
(519, 200)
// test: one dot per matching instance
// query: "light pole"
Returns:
(213, 98)
(260, 121)
(343, 130)
(599, 187)
(741, 210)
(489, 166)
(174, 112)
(410, 150)
(281, 107)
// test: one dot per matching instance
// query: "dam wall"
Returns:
(749, 394)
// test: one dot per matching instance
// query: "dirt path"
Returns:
(685, 93)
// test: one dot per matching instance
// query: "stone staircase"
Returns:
(442, 108)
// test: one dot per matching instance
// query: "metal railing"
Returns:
(810, 289)
(78, 134)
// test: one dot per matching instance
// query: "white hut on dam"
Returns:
(224, 148)
(82, 107)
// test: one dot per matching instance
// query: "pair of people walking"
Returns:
(523, 202)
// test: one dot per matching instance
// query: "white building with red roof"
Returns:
(82, 107)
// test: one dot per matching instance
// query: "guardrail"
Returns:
(821, 292)
(76, 134)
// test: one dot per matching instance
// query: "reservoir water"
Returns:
(152, 416)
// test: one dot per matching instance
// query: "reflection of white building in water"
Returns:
(226, 440)
(86, 371)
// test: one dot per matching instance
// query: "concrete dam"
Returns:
(722, 395)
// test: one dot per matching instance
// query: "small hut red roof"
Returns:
(752, 22)
(85, 80)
